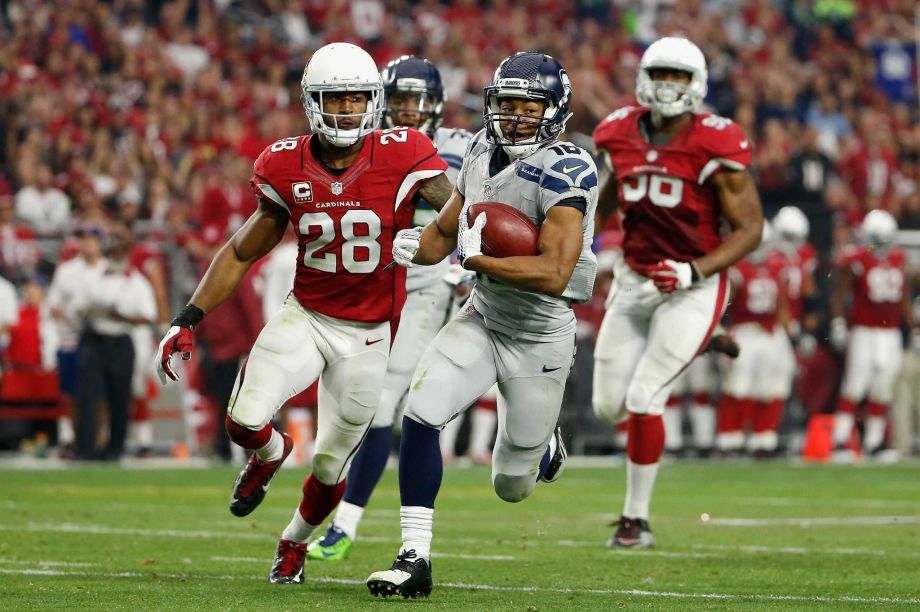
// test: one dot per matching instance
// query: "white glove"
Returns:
(469, 239)
(838, 333)
(669, 275)
(405, 246)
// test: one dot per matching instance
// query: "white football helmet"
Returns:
(791, 225)
(879, 228)
(667, 98)
(341, 67)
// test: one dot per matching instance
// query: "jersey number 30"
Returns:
(360, 252)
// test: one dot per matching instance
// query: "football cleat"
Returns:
(632, 533)
(884, 455)
(288, 565)
(842, 455)
(334, 546)
(405, 577)
(557, 461)
(252, 484)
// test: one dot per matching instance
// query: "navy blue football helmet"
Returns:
(533, 76)
(420, 81)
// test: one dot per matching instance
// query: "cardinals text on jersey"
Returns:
(346, 222)
(670, 211)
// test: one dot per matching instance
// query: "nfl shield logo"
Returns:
(336, 188)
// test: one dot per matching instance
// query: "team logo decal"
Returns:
(303, 192)
(336, 188)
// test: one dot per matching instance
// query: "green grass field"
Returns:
(92, 539)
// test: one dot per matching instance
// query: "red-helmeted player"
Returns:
(874, 274)
(347, 189)
(676, 173)
(757, 383)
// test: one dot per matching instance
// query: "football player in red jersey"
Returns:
(674, 172)
(874, 274)
(758, 382)
(347, 189)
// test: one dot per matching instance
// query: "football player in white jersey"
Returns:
(414, 98)
(518, 327)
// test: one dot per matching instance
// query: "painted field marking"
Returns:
(820, 521)
(512, 589)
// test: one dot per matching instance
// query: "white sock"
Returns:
(620, 439)
(640, 480)
(65, 431)
(298, 530)
(843, 426)
(143, 433)
(274, 449)
(449, 438)
(416, 523)
(730, 441)
(482, 431)
(673, 436)
(875, 433)
(703, 419)
(347, 518)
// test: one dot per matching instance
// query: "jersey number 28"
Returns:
(360, 252)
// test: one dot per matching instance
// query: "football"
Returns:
(507, 233)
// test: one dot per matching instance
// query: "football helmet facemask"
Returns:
(341, 67)
(417, 78)
(670, 98)
(531, 76)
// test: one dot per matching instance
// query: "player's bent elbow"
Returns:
(513, 489)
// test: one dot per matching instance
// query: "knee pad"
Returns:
(513, 488)
(643, 399)
(329, 468)
(385, 415)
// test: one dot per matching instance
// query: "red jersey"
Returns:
(756, 291)
(878, 287)
(346, 223)
(799, 264)
(670, 211)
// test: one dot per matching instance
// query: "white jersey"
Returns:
(451, 145)
(533, 185)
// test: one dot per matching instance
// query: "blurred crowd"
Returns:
(150, 114)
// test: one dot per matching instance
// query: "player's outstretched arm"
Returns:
(740, 204)
(259, 235)
(439, 239)
(549, 272)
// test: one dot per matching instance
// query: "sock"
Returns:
(874, 434)
(449, 438)
(547, 457)
(318, 501)
(482, 431)
(673, 435)
(620, 434)
(65, 431)
(143, 433)
(273, 450)
(843, 421)
(368, 465)
(703, 419)
(420, 466)
(251, 439)
(347, 517)
(644, 445)
(416, 523)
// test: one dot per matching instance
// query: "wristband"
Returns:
(189, 317)
(696, 274)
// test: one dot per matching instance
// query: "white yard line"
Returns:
(47, 563)
(513, 589)
(435, 555)
(818, 521)
(798, 550)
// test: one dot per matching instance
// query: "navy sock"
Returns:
(420, 466)
(368, 465)
(544, 462)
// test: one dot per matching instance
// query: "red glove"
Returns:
(177, 340)
(669, 275)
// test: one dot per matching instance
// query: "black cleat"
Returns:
(405, 577)
(252, 484)
(288, 565)
(557, 461)
(632, 533)
(721, 342)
